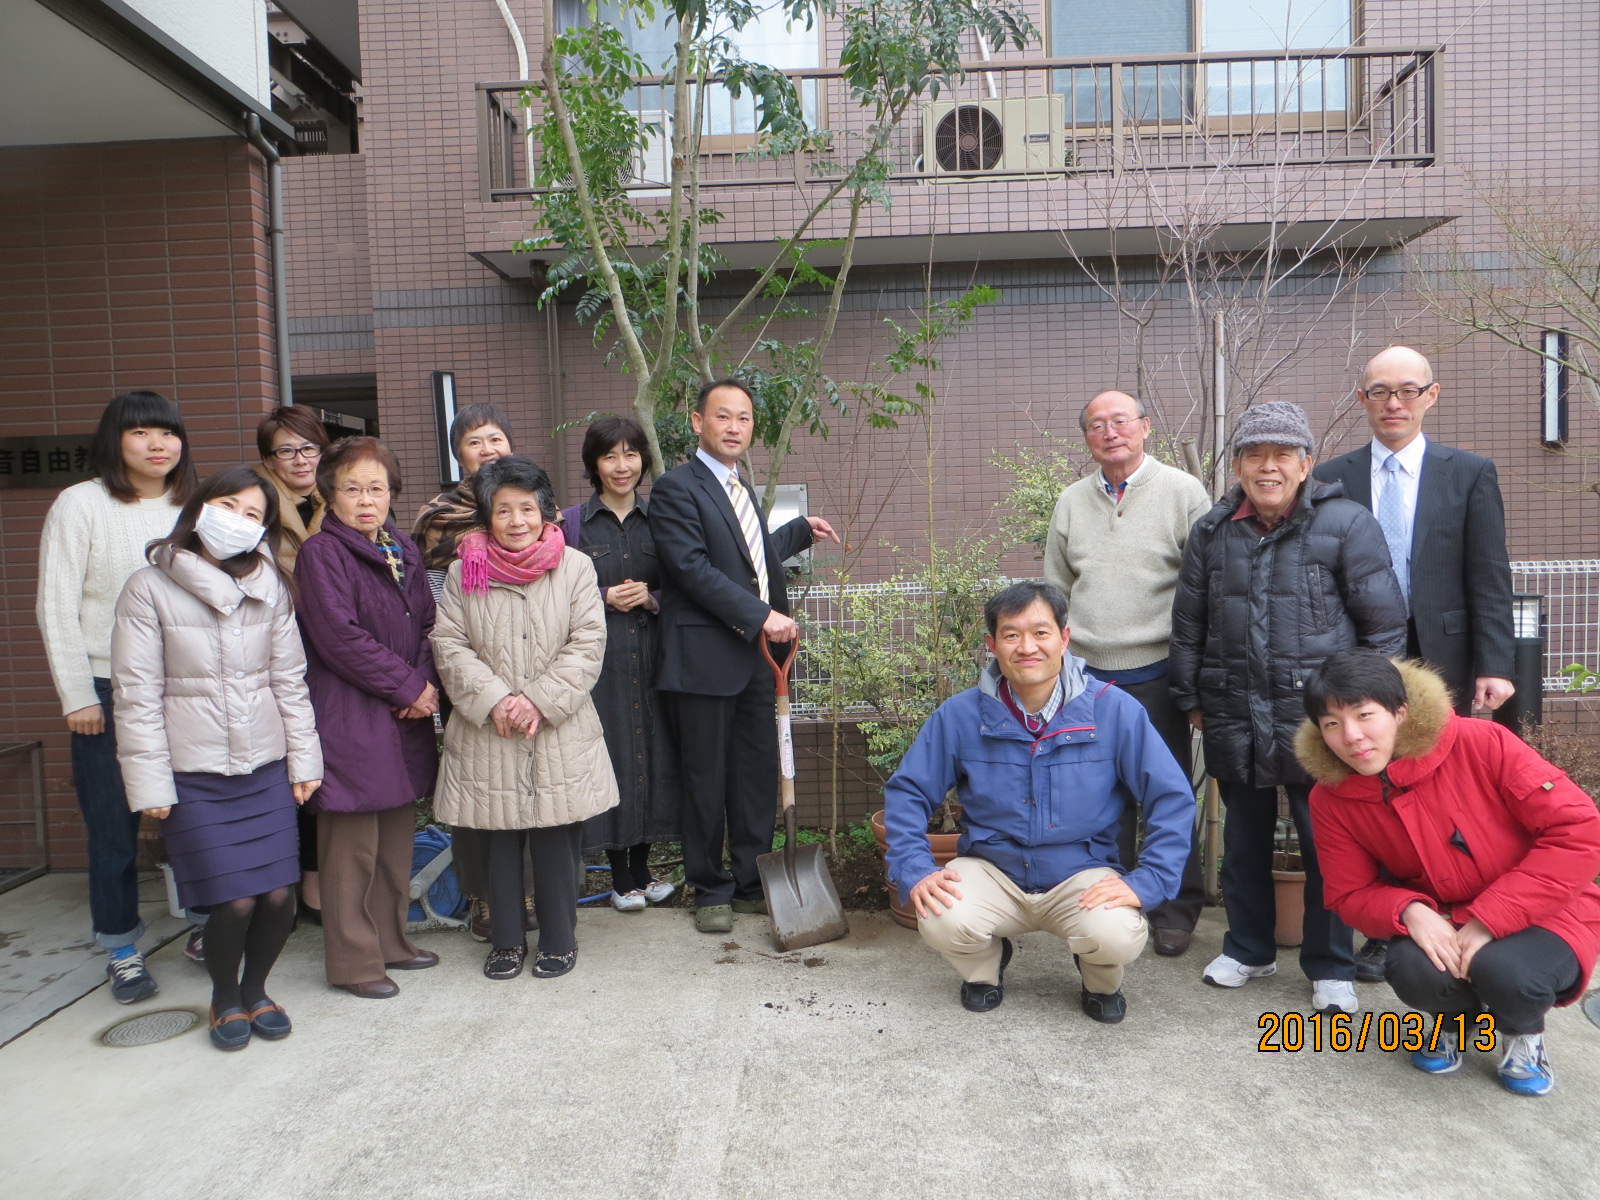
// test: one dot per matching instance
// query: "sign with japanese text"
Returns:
(44, 462)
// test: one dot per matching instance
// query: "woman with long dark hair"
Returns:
(613, 529)
(94, 539)
(215, 734)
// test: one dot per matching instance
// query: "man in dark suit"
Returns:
(722, 588)
(1443, 518)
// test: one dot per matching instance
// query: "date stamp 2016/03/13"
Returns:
(1340, 1032)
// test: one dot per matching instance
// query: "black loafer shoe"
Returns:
(1108, 1010)
(1370, 960)
(230, 1029)
(1171, 942)
(268, 1020)
(986, 997)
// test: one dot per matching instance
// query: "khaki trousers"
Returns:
(365, 859)
(993, 907)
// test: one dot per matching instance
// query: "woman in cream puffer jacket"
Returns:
(518, 643)
(210, 676)
(216, 736)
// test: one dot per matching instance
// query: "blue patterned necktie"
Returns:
(1391, 516)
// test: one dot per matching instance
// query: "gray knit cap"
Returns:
(1278, 423)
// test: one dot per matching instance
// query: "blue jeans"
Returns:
(1326, 950)
(113, 833)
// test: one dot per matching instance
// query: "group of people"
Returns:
(258, 659)
(1328, 629)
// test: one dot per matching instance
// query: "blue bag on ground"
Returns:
(436, 893)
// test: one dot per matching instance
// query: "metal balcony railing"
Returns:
(1033, 118)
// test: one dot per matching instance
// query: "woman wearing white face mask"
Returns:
(215, 734)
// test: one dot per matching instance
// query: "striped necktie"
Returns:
(751, 528)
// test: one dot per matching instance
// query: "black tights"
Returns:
(251, 930)
(630, 868)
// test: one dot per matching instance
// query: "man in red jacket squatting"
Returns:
(1450, 837)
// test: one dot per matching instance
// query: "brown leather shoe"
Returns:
(530, 917)
(423, 960)
(1172, 942)
(375, 989)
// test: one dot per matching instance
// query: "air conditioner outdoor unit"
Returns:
(967, 139)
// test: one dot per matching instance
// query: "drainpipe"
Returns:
(280, 292)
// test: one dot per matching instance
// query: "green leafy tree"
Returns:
(641, 276)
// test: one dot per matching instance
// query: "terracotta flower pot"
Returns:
(943, 846)
(1289, 887)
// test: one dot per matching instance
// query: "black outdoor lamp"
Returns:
(1527, 672)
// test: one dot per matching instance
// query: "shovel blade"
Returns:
(801, 899)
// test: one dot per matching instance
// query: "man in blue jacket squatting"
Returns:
(1042, 755)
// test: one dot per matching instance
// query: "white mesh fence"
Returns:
(1571, 591)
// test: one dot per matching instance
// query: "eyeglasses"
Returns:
(351, 492)
(288, 452)
(1405, 395)
(1116, 423)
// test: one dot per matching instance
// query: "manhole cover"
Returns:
(150, 1027)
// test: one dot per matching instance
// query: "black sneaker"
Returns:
(505, 962)
(131, 980)
(986, 997)
(1108, 1010)
(1370, 960)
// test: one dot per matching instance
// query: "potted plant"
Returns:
(899, 651)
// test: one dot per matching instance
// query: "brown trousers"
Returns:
(365, 860)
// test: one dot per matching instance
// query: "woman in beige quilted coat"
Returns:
(519, 640)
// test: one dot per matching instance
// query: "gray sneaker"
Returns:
(131, 980)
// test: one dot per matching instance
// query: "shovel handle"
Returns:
(781, 671)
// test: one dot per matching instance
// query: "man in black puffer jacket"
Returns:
(1278, 576)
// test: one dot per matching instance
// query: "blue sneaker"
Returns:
(1524, 1069)
(1444, 1058)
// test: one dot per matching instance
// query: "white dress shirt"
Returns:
(1408, 476)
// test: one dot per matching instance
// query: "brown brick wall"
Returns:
(121, 266)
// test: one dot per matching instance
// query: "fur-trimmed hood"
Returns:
(1418, 741)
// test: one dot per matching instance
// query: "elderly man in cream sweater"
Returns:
(1116, 543)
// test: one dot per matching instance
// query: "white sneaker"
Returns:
(632, 901)
(1223, 971)
(658, 890)
(1334, 993)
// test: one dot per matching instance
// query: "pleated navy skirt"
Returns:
(232, 836)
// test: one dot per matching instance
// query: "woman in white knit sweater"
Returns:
(94, 539)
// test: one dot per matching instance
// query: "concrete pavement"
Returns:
(674, 1064)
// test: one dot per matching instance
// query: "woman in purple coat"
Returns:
(366, 612)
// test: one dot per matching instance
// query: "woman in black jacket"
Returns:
(1282, 573)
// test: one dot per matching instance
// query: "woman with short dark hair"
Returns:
(519, 642)
(94, 539)
(1452, 838)
(479, 434)
(366, 611)
(203, 634)
(613, 529)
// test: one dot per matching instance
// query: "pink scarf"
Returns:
(483, 558)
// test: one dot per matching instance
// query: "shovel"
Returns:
(801, 899)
